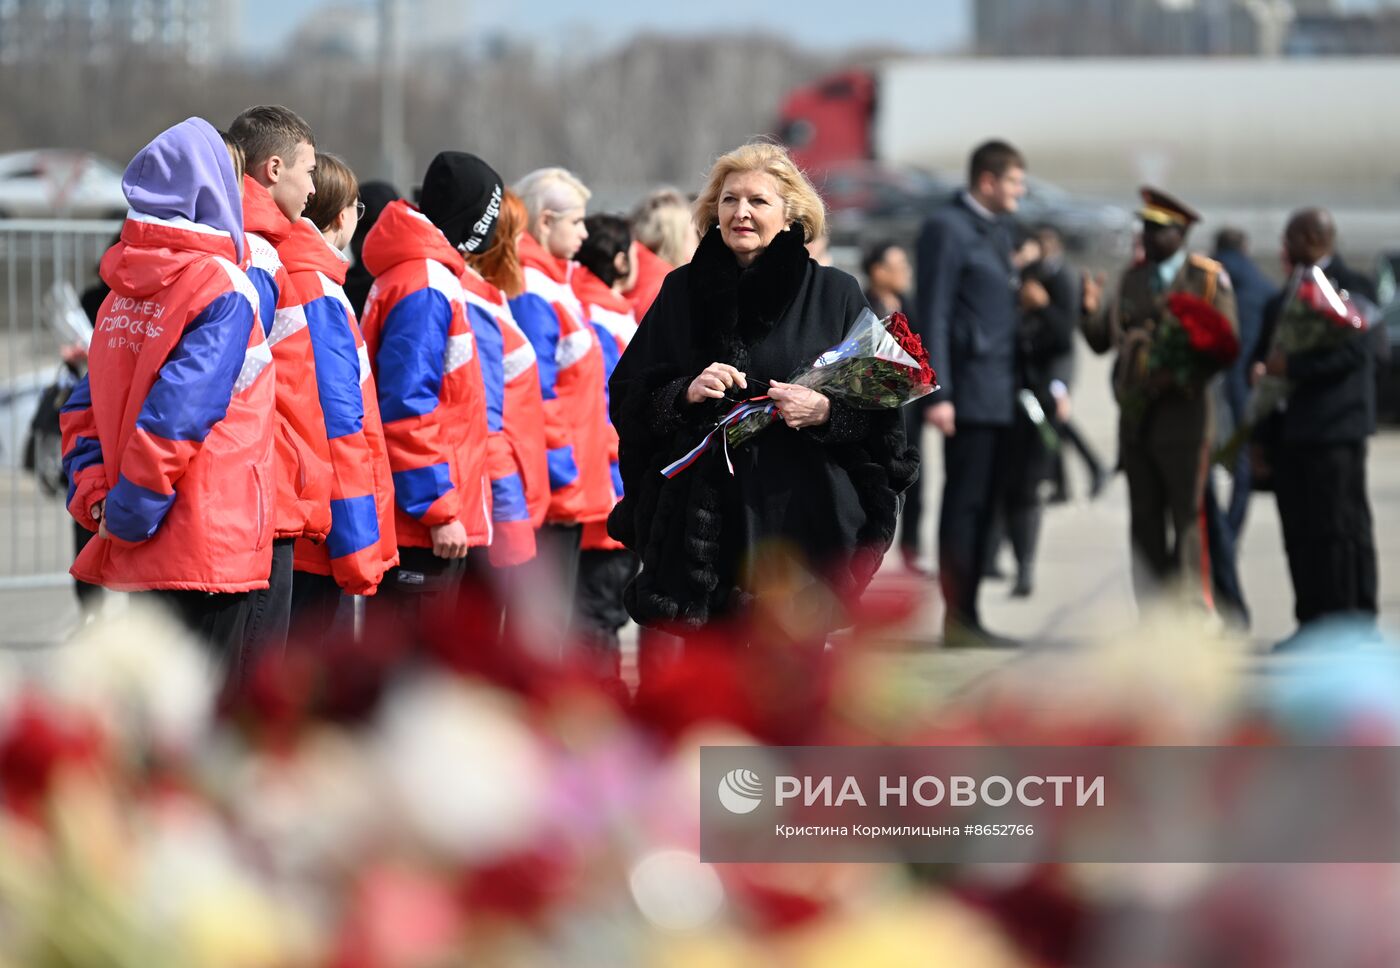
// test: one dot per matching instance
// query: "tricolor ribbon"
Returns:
(748, 407)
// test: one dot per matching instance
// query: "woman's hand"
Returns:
(798, 406)
(713, 382)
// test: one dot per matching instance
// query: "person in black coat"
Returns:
(967, 311)
(1049, 302)
(376, 196)
(814, 494)
(889, 276)
(1316, 445)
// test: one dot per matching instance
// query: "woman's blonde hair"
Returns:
(800, 200)
(500, 264)
(551, 189)
(661, 223)
(336, 189)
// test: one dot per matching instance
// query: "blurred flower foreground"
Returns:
(430, 801)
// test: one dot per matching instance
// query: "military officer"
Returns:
(1164, 430)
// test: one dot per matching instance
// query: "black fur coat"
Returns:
(832, 491)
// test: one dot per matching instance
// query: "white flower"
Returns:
(466, 774)
(676, 890)
(142, 674)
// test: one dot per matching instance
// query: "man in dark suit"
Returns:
(968, 313)
(1253, 290)
(1317, 444)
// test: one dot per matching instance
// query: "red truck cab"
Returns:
(829, 124)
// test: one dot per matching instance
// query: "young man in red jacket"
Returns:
(280, 155)
(168, 438)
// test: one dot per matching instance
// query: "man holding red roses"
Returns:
(1169, 344)
(1316, 445)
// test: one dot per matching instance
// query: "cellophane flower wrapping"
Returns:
(880, 365)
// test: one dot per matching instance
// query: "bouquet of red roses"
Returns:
(1315, 316)
(1192, 343)
(880, 365)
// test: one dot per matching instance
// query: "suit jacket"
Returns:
(1253, 290)
(1334, 389)
(967, 312)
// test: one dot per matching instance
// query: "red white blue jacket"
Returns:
(431, 396)
(570, 360)
(515, 448)
(173, 426)
(610, 315)
(303, 461)
(651, 272)
(361, 545)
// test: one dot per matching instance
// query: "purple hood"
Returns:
(185, 172)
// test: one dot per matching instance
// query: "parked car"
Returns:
(868, 201)
(59, 183)
(1087, 225)
(1388, 372)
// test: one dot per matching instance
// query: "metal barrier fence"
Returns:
(43, 265)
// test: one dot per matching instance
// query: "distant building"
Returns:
(199, 31)
(1127, 28)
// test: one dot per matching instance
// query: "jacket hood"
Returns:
(534, 255)
(592, 290)
(185, 174)
(150, 258)
(403, 234)
(261, 214)
(307, 250)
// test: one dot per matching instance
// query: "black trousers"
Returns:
(421, 588)
(319, 610)
(218, 619)
(270, 611)
(913, 514)
(1070, 434)
(975, 474)
(602, 575)
(89, 595)
(558, 551)
(1018, 517)
(1327, 527)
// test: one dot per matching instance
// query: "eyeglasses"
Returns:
(359, 209)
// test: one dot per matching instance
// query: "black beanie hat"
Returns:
(461, 195)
